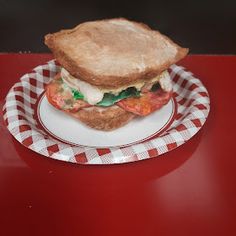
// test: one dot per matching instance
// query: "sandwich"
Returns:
(112, 71)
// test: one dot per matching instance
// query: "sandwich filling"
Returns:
(71, 94)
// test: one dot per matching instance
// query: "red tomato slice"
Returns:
(61, 99)
(52, 94)
(147, 103)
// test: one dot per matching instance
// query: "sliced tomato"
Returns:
(147, 103)
(63, 99)
(52, 93)
(77, 105)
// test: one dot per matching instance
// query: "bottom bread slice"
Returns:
(104, 118)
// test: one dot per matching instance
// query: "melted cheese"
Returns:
(165, 81)
(93, 94)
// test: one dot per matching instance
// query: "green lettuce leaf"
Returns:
(110, 99)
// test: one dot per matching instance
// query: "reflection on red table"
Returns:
(188, 191)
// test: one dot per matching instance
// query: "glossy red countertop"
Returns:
(188, 191)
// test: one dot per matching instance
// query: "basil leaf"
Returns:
(110, 99)
(76, 94)
(155, 87)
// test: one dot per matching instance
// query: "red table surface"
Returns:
(188, 191)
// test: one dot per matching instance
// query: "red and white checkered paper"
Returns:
(19, 114)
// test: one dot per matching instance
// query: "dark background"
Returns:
(203, 26)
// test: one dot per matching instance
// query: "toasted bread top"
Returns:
(114, 52)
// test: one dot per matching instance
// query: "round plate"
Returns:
(68, 129)
(45, 130)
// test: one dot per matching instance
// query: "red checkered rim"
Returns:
(193, 108)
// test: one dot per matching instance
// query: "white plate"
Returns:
(69, 130)
(41, 128)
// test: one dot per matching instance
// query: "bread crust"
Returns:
(110, 81)
(103, 118)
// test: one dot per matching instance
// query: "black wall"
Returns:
(204, 26)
